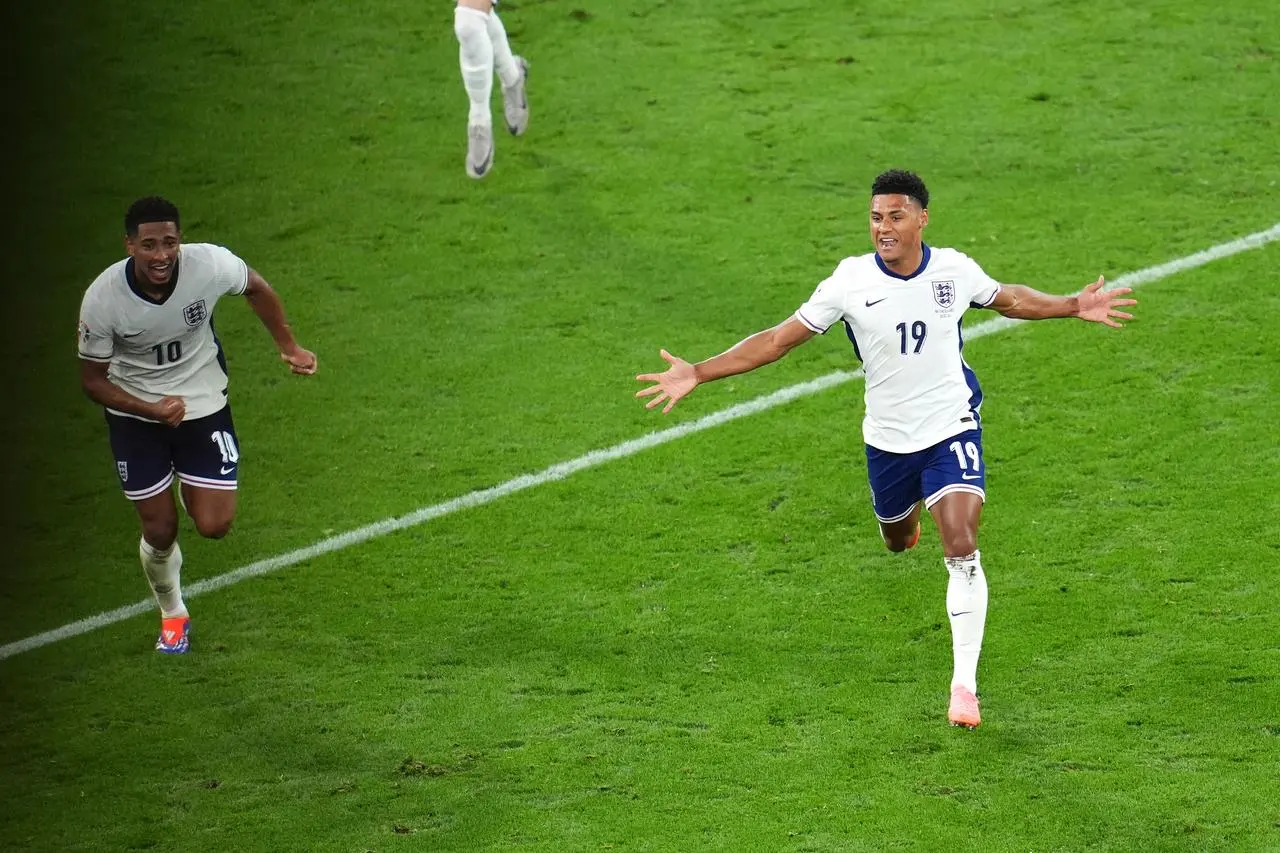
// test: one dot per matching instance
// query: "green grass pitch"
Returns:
(701, 647)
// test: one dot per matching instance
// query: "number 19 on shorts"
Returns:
(966, 452)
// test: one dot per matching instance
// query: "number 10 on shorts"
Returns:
(226, 446)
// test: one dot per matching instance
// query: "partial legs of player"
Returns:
(957, 515)
(212, 511)
(162, 563)
(483, 49)
(949, 479)
(203, 454)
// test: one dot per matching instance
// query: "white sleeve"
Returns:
(982, 287)
(96, 338)
(230, 272)
(824, 308)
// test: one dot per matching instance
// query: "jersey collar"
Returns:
(924, 262)
(130, 279)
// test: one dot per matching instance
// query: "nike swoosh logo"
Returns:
(877, 302)
(961, 613)
(226, 470)
(970, 476)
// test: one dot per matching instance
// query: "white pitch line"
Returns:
(562, 470)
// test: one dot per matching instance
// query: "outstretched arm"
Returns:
(266, 303)
(758, 350)
(1093, 304)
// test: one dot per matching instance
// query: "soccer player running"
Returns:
(150, 356)
(901, 307)
(482, 50)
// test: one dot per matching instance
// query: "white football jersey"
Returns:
(167, 348)
(906, 331)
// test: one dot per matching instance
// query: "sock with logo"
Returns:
(967, 608)
(475, 57)
(503, 60)
(163, 568)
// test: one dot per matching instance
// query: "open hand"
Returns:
(671, 385)
(300, 361)
(1099, 306)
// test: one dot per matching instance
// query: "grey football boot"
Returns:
(479, 150)
(515, 103)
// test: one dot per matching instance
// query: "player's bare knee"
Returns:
(960, 544)
(213, 527)
(160, 533)
(897, 546)
(161, 539)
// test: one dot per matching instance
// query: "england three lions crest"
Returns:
(944, 293)
(196, 312)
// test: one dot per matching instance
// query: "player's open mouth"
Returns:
(159, 270)
(887, 243)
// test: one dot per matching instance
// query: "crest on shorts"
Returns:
(944, 293)
(195, 313)
(122, 468)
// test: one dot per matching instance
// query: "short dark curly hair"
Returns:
(901, 182)
(153, 208)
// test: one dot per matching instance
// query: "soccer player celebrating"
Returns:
(901, 307)
(150, 356)
(482, 50)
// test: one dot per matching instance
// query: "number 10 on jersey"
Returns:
(169, 353)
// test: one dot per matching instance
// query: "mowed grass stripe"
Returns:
(563, 470)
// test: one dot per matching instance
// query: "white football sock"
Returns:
(475, 57)
(967, 607)
(503, 61)
(163, 569)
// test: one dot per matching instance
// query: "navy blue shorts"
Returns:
(202, 452)
(901, 480)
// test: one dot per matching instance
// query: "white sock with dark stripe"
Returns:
(163, 570)
(967, 608)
